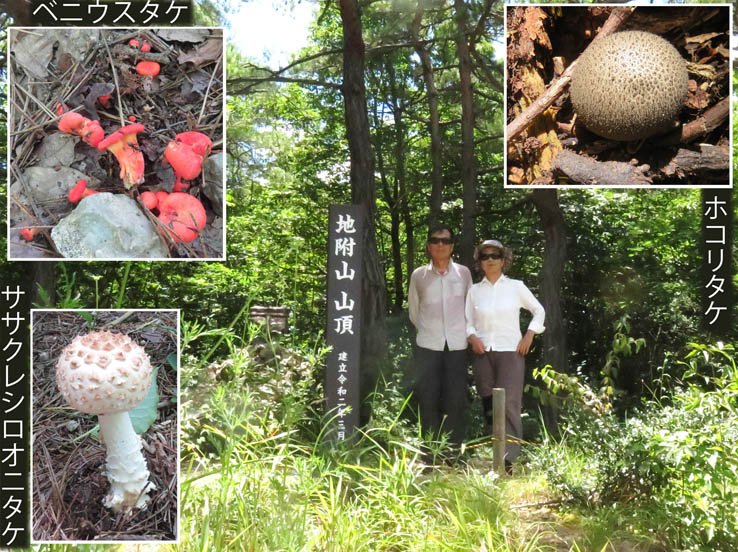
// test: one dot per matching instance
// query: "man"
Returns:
(436, 302)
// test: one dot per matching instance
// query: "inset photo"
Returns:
(105, 425)
(618, 96)
(116, 143)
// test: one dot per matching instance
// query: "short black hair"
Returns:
(440, 228)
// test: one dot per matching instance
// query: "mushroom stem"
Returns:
(125, 465)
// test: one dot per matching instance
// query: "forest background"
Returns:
(618, 271)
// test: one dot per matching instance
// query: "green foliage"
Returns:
(676, 461)
(145, 413)
(622, 345)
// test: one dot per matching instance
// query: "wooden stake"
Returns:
(498, 430)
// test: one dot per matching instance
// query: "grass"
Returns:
(257, 476)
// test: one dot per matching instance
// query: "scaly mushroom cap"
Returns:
(200, 143)
(90, 131)
(103, 373)
(184, 215)
(124, 145)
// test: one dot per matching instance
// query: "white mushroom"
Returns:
(108, 374)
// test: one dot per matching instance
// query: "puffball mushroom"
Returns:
(629, 85)
(108, 374)
(123, 144)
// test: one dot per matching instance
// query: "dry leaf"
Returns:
(210, 51)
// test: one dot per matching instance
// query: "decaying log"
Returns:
(707, 166)
(590, 172)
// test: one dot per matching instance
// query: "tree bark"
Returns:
(373, 339)
(554, 262)
(43, 274)
(392, 200)
(468, 161)
(434, 127)
(400, 206)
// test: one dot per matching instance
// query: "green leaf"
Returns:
(172, 360)
(145, 413)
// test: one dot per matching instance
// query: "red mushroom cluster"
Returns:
(90, 131)
(140, 45)
(29, 233)
(182, 214)
(186, 154)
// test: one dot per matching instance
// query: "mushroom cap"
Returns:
(147, 68)
(119, 134)
(76, 193)
(74, 123)
(183, 159)
(149, 200)
(184, 215)
(29, 234)
(71, 122)
(629, 85)
(103, 373)
(199, 142)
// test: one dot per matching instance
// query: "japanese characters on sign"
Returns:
(116, 12)
(14, 501)
(717, 297)
(344, 318)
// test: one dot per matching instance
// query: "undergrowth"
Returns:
(669, 470)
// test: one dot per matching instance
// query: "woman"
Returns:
(493, 330)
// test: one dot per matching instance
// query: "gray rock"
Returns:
(56, 149)
(212, 172)
(48, 185)
(108, 226)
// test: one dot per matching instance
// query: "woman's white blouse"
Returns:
(493, 313)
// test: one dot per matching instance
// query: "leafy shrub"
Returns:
(676, 458)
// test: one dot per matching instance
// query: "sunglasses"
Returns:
(486, 256)
(444, 241)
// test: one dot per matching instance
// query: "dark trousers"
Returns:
(507, 370)
(441, 391)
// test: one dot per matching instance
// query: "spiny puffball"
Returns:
(629, 85)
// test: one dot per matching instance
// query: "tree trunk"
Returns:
(434, 127)
(554, 261)
(390, 197)
(43, 275)
(468, 161)
(373, 341)
(400, 207)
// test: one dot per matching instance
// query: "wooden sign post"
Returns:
(343, 332)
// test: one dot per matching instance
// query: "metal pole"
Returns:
(498, 430)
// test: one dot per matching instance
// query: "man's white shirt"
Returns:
(436, 303)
